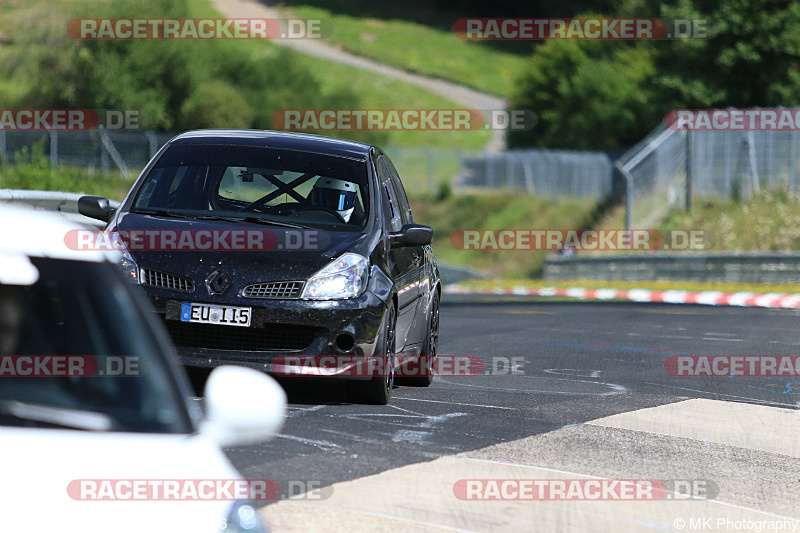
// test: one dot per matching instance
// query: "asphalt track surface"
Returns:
(580, 361)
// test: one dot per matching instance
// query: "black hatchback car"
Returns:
(291, 253)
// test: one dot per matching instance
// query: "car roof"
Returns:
(277, 139)
(36, 233)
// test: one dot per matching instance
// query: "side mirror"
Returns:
(411, 235)
(95, 207)
(243, 406)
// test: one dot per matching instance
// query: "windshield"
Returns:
(260, 184)
(75, 352)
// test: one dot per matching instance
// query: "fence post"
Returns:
(152, 140)
(628, 193)
(53, 149)
(527, 172)
(431, 165)
(688, 169)
(793, 160)
(104, 160)
(755, 186)
(112, 152)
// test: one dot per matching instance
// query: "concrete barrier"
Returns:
(757, 267)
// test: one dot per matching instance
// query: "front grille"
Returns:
(278, 289)
(165, 280)
(271, 337)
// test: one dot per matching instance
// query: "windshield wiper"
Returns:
(260, 220)
(56, 416)
(218, 217)
(255, 220)
(163, 213)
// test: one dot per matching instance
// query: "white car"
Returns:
(97, 431)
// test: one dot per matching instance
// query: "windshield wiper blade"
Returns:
(57, 416)
(255, 220)
(217, 217)
(271, 222)
(249, 218)
(163, 213)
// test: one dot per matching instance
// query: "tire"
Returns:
(378, 389)
(427, 357)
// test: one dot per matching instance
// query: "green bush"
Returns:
(215, 105)
(585, 96)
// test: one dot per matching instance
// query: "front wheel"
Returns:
(378, 389)
(427, 359)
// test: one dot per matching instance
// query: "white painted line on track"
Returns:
(457, 403)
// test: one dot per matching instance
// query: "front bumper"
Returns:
(289, 336)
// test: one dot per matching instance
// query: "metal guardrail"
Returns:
(65, 203)
(772, 267)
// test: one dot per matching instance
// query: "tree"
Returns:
(587, 95)
(753, 59)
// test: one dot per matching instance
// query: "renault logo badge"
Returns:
(218, 282)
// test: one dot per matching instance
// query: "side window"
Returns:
(399, 193)
(391, 210)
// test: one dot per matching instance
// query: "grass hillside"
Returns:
(432, 50)
(180, 84)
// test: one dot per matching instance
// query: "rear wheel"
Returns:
(428, 355)
(379, 388)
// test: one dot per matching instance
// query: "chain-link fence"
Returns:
(424, 170)
(671, 167)
(666, 169)
(655, 172)
(546, 173)
(738, 164)
(127, 151)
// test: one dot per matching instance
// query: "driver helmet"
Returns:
(335, 194)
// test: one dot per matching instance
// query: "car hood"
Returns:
(39, 464)
(294, 254)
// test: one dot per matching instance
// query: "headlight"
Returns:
(243, 518)
(125, 260)
(344, 278)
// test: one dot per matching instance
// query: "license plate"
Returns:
(222, 315)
